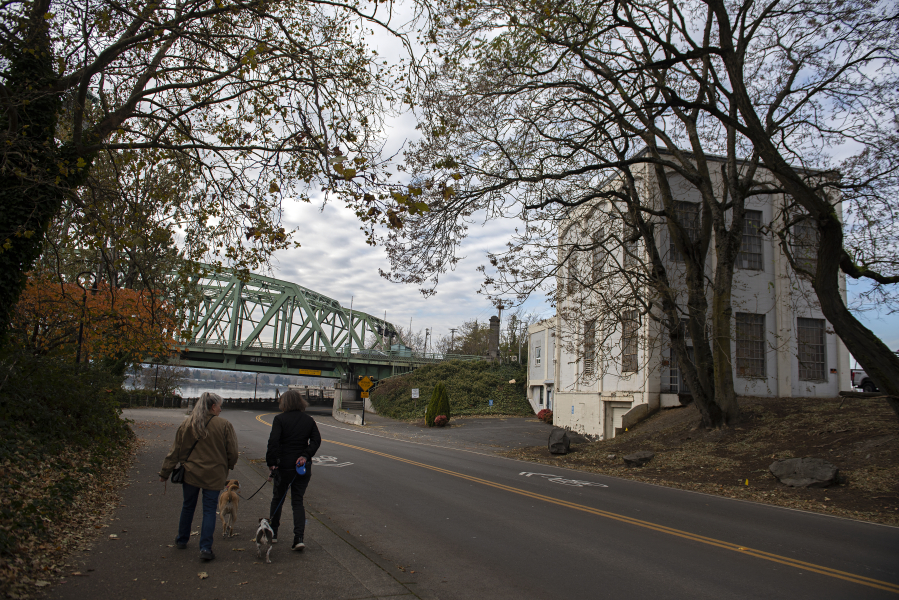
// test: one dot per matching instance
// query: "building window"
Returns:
(675, 376)
(687, 214)
(812, 356)
(589, 346)
(750, 256)
(804, 244)
(573, 284)
(598, 255)
(750, 345)
(629, 327)
(537, 356)
(630, 254)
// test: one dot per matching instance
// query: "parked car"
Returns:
(861, 380)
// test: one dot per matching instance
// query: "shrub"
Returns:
(469, 386)
(439, 405)
(441, 421)
(545, 415)
(59, 420)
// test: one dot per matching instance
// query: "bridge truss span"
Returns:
(249, 322)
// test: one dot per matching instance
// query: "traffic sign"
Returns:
(414, 393)
(364, 394)
(365, 383)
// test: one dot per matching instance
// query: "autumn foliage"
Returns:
(113, 323)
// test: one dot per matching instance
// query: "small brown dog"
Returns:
(228, 501)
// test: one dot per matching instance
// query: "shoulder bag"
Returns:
(178, 473)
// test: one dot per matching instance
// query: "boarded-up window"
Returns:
(629, 328)
(750, 334)
(812, 355)
(804, 245)
(589, 347)
(687, 214)
(750, 256)
(598, 255)
(573, 280)
(630, 254)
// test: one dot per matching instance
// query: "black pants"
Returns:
(297, 489)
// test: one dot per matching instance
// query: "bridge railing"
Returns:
(364, 353)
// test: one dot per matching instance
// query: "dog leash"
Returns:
(271, 516)
(254, 493)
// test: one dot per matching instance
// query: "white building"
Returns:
(608, 377)
(542, 364)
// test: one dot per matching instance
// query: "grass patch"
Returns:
(470, 386)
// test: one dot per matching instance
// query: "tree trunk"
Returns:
(30, 192)
(722, 355)
(881, 364)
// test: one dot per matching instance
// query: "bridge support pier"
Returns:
(345, 392)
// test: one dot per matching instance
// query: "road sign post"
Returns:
(365, 383)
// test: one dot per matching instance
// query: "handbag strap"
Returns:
(196, 442)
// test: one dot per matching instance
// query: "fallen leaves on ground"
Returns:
(32, 485)
(203, 575)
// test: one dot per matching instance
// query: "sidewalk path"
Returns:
(142, 562)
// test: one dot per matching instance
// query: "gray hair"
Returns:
(200, 414)
(292, 400)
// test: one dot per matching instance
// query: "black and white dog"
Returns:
(264, 537)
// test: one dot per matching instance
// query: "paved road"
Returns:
(476, 525)
(400, 512)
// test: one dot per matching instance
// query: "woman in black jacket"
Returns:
(294, 441)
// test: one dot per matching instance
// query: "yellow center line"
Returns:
(784, 560)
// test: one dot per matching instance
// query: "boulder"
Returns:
(805, 472)
(559, 442)
(639, 458)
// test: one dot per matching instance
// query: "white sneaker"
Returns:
(299, 546)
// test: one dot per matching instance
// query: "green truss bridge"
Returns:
(248, 322)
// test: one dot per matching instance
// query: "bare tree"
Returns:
(574, 103)
(165, 379)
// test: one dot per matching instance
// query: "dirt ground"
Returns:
(859, 436)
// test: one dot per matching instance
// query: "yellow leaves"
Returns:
(81, 163)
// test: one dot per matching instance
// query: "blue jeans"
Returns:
(207, 530)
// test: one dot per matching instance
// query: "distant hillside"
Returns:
(470, 385)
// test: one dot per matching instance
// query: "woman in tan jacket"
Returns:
(206, 468)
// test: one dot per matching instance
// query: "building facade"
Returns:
(610, 372)
(542, 367)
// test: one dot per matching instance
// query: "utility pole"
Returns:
(255, 387)
(523, 331)
(427, 331)
(498, 342)
(452, 339)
